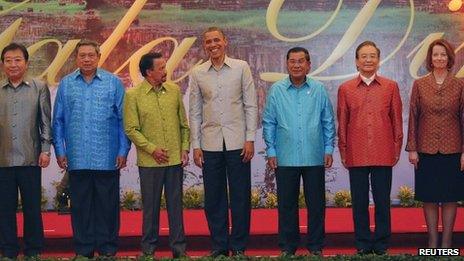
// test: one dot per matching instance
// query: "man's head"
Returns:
(153, 67)
(214, 43)
(367, 58)
(15, 61)
(298, 63)
(87, 56)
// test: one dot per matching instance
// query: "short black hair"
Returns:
(15, 46)
(366, 43)
(146, 62)
(297, 50)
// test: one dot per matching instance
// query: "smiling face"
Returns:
(14, 65)
(298, 66)
(214, 44)
(367, 60)
(439, 57)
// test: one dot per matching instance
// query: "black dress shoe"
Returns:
(287, 254)
(380, 252)
(179, 255)
(317, 252)
(363, 252)
(218, 253)
(238, 253)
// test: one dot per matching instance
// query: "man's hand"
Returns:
(414, 158)
(248, 151)
(272, 162)
(184, 157)
(120, 162)
(161, 156)
(328, 160)
(198, 157)
(44, 160)
(62, 162)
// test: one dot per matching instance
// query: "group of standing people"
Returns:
(94, 121)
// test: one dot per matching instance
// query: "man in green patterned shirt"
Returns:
(155, 121)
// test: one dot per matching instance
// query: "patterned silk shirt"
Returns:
(298, 123)
(370, 123)
(87, 121)
(156, 119)
(25, 128)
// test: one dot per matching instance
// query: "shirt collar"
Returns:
(98, 74)
(27, 81)
(375, 78)
(227, 62)
(147, 87)
(304, 85)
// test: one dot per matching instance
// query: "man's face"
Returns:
(214, 44)
(297, 65)
(87, 59)
(158, 74)
(14, 64)
(368, 60)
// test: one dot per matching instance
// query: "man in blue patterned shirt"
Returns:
(299, 131)
(90, 143)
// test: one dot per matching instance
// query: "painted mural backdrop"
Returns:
(259, 31)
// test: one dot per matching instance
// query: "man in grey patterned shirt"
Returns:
(223, 119)
(25, 138)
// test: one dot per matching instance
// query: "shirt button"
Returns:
(14, 138)
(15, 101)
(14, 125)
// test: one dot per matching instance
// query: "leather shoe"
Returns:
(363, 252)
(218, 253)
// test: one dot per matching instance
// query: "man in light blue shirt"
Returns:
(299, 131)
(90, 143)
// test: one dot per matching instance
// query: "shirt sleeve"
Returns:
(270, 124)
(195, 111)
(59, 122)
(184, 128)
(413, 118)
(124, 143)
(45, 118)
(396, 116)
(343, 114)
(328, 124)
(250, 103)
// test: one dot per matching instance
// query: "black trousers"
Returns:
(94, 211)
(222, 168)
(28, 180)
(381, 180)
(152, 181)
(288, 190)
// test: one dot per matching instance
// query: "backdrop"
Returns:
(259, 31)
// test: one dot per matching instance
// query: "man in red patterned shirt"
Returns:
(370, 135)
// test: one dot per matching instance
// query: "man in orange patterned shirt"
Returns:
(370, 135)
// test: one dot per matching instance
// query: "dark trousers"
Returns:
(381, 180)
(94, 211)
(288, 190)
(219, 169)
(28, 180)
(152, 181)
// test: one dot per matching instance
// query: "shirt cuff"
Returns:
(196, 144)
(271, 152)
(45, 147)
(150, 148)
(329, 150)
(250, 136)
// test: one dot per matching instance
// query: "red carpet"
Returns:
(408, 227)
(263, 222)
